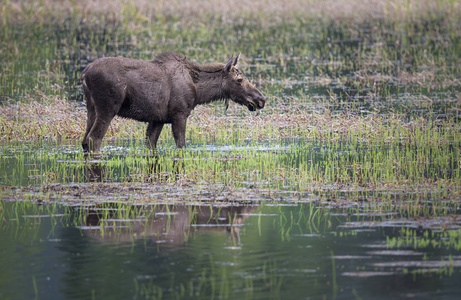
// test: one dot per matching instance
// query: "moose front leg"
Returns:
(152, 134)
(178, 127)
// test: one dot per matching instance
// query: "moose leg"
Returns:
(152, 134)
(179, 132)
(97, 132)
(91, 115)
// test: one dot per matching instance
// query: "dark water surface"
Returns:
(226, 251)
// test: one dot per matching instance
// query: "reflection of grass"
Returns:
(226, 275)
(218, 280)
(207, 277)
(436, 236)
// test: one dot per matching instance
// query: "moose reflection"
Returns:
(97, 171)
(168, 224)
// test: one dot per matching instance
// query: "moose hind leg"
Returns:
(91, 116)
(97, 133)
(152, 134)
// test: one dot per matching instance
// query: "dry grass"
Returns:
(53, 118)
(57, 119)
(196, 10)
(277, 123)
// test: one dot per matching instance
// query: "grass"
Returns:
(149, 11)
(363, 98)
(56, 119)
(377, 158)
(372, 47)
(361, 128)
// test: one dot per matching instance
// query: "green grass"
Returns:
(395, 50)
(347, 169)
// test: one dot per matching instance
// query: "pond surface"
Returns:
(223, 251)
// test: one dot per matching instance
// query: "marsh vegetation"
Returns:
(352, 168)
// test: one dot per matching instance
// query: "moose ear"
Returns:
(229, 65)
(236, 61)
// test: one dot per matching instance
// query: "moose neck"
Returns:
(209, 85)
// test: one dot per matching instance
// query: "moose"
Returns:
(162, 91)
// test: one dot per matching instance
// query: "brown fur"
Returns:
(164, 90)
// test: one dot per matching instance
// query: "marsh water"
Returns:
(291, 217)
(224, 251)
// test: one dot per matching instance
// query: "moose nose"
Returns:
(261, 101)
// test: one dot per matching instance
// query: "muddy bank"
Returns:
(93, 193)
(180, 192)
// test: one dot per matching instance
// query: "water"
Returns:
(227, 251)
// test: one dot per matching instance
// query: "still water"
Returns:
(223, 251)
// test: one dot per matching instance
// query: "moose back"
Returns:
(164, 90)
